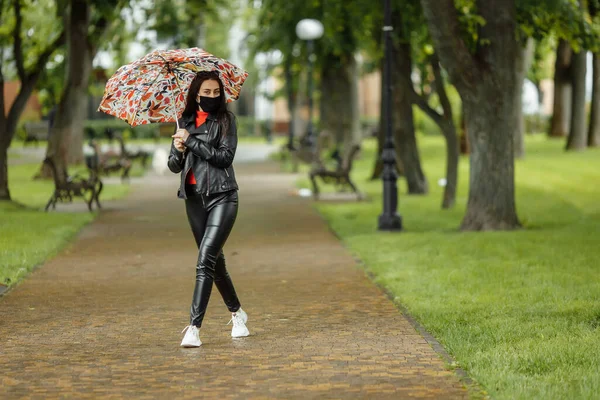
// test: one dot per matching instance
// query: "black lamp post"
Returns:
(389, 220)
(309, 30)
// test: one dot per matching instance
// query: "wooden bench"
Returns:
(74, 186)
(142, 155)
(35, 131)
(106, 163)
(339, 176)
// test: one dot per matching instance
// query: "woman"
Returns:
(202, 151)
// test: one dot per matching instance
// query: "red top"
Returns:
(200, 119)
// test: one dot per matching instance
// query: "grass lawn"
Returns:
(519, 311)
(28, 235)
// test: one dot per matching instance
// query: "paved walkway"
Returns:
(103, 318)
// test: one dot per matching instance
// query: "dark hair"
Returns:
(224, 116)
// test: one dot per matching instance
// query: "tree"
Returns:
(29, 57)
(346, 27)
(577, 139)
(594, 127)
(86, 23)
(445, 120)
(485, 76)
(523, 63)
(408, 23)
(192, 23)
(404, 136)
(561, 115)
(542, 66)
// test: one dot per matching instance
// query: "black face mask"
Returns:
(210, 104)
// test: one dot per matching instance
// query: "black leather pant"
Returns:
(211, 219)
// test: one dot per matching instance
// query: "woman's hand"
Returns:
(178, 143)
(182, 134)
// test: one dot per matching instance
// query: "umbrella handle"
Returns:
(175, 101)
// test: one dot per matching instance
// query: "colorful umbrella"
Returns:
(154, 87)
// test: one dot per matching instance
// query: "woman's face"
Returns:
(209, 88)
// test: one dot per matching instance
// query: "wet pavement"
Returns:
(103, 319)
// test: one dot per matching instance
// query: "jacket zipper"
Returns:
(208, 170)
(226, 172)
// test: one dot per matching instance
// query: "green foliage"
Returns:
(348, 27)
(40, 27)
(565, 19)
(191, 23)
(542, 66)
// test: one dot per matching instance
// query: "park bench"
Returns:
(142, 155)
(340, 176)
(35, 131)
(109, 162)
(73, 186)
(302, 152)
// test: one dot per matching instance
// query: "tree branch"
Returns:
(43, 59)
(17, 41)
(420, 100)
(29, 81)
(440, 89)
(442, 19)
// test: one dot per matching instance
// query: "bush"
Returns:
(537, 123)
(245, 125)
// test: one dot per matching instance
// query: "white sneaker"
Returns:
(243, 315)
(239, 320)
(191, 338)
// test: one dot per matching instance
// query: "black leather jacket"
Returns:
(208, 155)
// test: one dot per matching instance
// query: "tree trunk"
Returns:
(464, 137)
(561, 114)
(356, 135)
(404, 136)
(378, 166)
(449, 132)
(452, 157)
(338, 108)
(488, 85)
(491, 124)
(28, 78)
(4, 191)
(594, 129)
(65, 145)
(445, 122)
(577, 139)
(8, 126)
(523, 63)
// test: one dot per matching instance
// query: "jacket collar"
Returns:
(192, 118)
(189, 123)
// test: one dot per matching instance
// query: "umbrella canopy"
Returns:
(154, 87)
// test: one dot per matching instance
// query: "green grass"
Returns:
(519, 311)
(28, 235)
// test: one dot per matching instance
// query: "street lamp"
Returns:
(309, 30)
(389, 220)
